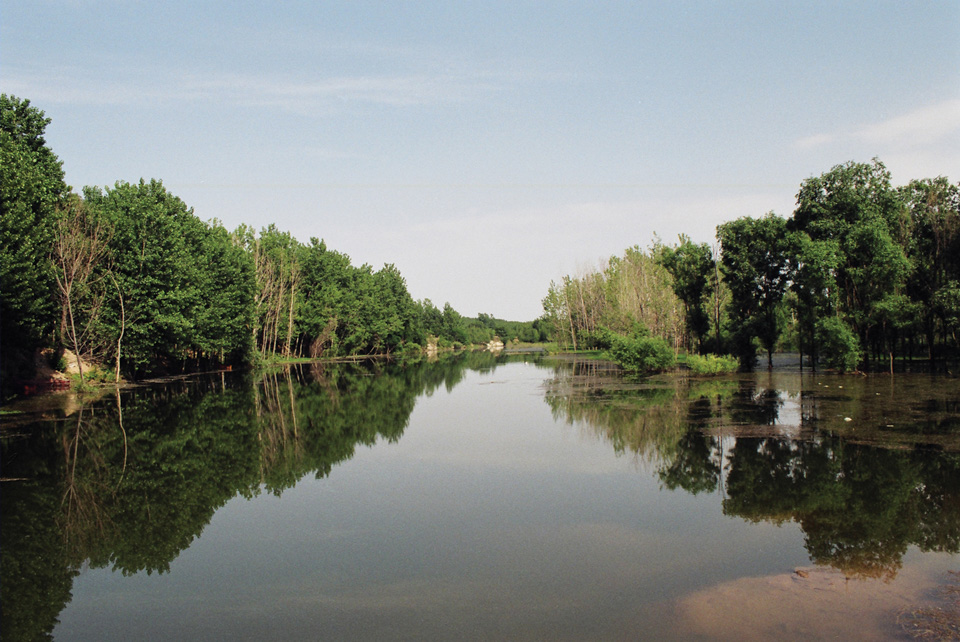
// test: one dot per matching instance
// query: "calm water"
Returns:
(484, 498)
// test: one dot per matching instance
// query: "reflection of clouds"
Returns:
(789, 418)
(417, 593)
(516, 435)
(567, 566)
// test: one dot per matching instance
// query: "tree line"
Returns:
(129, 276)
(862, 273)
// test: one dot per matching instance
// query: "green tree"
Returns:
(640, 352)
(228, 284)
(396, 318)
(431, 318)
(933, 206)
(855, 206)
(453, 327)
(157, 246)
(31, 189)
(840, 346)
(691, 266)
(755, 264)
(326, 297)
(814, 284)
(631, 289)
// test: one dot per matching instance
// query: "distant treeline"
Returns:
(130, 277)
(862, 272)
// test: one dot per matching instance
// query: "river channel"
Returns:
(484, 497)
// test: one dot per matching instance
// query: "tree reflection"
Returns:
(130, 485)
(859, 506)
(696, 467)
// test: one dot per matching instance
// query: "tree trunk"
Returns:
(293, 297)
(123, 319)
(73, 334)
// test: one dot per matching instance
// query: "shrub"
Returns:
(411, 349)
(600, 339)
(839, 346)
(712, 364)
(641, 353)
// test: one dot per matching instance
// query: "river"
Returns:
(484, 497)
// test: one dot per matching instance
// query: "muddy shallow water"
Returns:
(482, 497)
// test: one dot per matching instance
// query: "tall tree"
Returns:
(692, 268)
(855, 206)
(814, 284)
(31, 188)
(453, 327)
(79, 247)
(755, 266)
(156, 246)
(228, 283)
(325, 288)
(933, 206)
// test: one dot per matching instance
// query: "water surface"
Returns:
(483, 498)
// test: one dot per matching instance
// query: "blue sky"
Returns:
(487, 148)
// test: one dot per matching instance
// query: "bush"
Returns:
(411, 349)
(712, 364)
(600, 339)
(839, 346)
(641, 353)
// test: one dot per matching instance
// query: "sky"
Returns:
(487, 148)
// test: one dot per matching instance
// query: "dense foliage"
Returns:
(711, 364)
(863, 272)
(640, 352)
(31, 189)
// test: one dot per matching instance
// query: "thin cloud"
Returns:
(930, 125)
(922, 126)
(811, 142)
(293, 94)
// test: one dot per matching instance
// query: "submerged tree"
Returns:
(756, 269)
(933, 247)
(854, 214)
